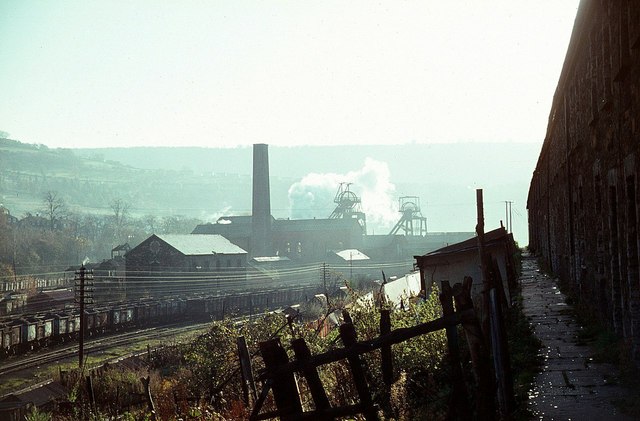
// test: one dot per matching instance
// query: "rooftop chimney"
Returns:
(261, 208)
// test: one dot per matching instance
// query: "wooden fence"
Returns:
(279, 376)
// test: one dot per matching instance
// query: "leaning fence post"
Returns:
(349, 338)
(318, 393)
(147, 391)
(459, 407)
(285, 388)
(246, 371)
(485, 408)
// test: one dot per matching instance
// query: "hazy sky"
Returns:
(227, 73)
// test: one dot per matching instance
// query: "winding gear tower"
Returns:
(348, 205)
(412, 223)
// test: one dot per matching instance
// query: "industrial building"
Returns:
(249, 251)
(311, 240)
(166, 264)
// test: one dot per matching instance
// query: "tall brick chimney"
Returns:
(261, 243)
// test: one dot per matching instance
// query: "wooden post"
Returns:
(387, 356)
(349, 338)
(485, 408)
(81, 278)
(318, 393)
(459, 404)
(285, 388)
(248, 384)
(484, 265)
(92, 396)
(147, 392)
(500, 353)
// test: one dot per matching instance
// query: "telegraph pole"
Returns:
(83, 296)
(324, 278)
(507, 215)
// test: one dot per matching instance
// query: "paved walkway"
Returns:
(571, 386)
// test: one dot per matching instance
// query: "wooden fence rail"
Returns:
(279, 371)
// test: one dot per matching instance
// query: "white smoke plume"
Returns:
(313, 195)
(213, 217)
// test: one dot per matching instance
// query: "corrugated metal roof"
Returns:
(271, 259)
(351, 255)
(495, 236)
(201, 244)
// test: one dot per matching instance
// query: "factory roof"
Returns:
(314, 224)
(352, 255)
(196, 244)
(491, 238)
(238, 225)
(241, 225)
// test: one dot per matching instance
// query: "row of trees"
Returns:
(53, 238)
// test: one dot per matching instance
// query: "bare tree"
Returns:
(150, 223)
(120, 210)
(54, 208)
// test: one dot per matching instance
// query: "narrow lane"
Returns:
(571, 386)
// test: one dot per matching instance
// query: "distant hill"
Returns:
(207, 182)
(429, 162)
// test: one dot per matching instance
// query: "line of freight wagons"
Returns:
(28, 332)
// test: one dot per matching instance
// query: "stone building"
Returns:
(184, 264)
(583, 199)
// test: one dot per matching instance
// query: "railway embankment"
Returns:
(572, 385)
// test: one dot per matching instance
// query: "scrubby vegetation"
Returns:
(201, 380)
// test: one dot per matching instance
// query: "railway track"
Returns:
(93, 347)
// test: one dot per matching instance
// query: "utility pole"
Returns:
(351, 267)
(83, 279)
(507, 216)
(324, 277)
(510, 219)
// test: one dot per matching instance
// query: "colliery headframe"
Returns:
(583, 199)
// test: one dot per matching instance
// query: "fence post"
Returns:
(285, 388)
(318, 393)
(485, 407)
(500, 350)
(387, 357)
(459, 405)
(349, 338)
(92, 396)
(246, 371)
(484, 266)
(147, 391)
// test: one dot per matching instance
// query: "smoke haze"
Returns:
(312, 197)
